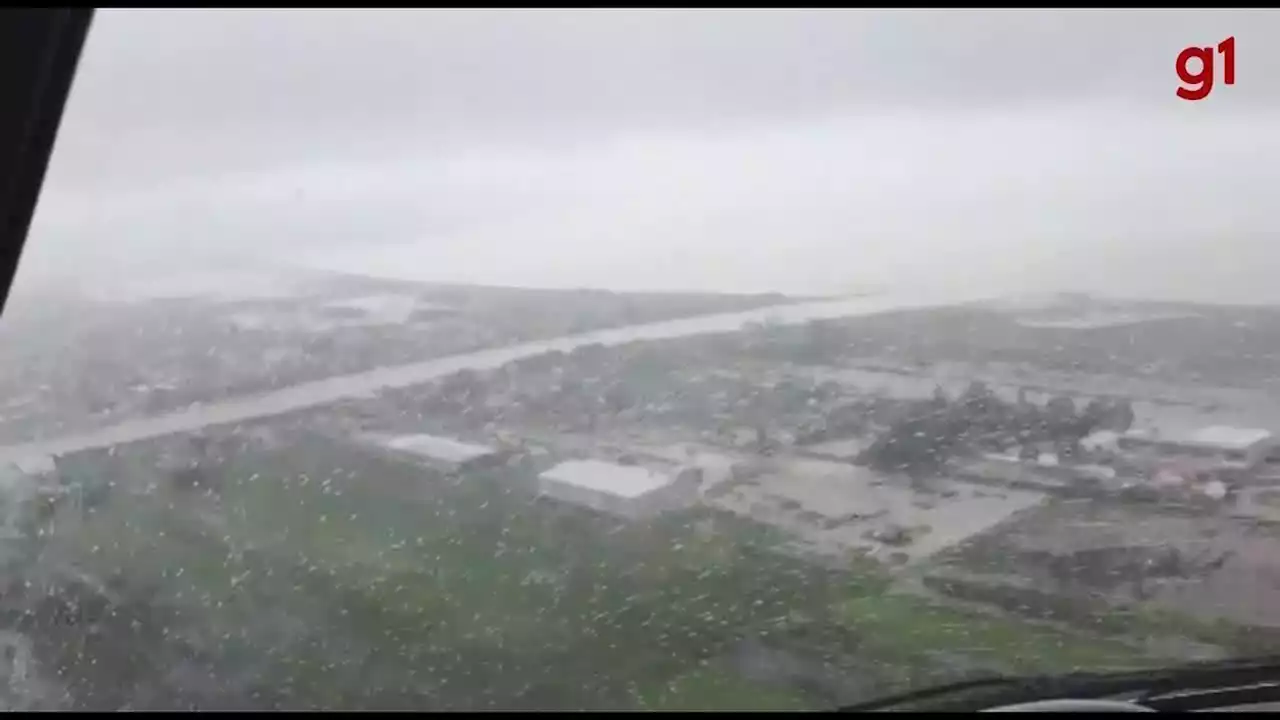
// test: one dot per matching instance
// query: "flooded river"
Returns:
(364, 384)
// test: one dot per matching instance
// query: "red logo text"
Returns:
(1195, 69)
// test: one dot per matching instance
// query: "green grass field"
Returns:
(473, 596)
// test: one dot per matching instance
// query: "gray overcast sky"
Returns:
(731, 150)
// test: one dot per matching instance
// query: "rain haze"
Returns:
(803, 152)
(643, 360)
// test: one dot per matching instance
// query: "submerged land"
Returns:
(353, 494)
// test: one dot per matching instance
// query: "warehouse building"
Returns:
(1210, 448)
(629, 491)
(439, 453)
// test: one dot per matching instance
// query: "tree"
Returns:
(1094, 414)
(1121, 417)
(940, 399)
(1026, 421)
(1060, 418)
(1107, 414)
(915, 446)
(981, 410)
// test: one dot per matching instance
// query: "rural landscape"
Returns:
(354, 493)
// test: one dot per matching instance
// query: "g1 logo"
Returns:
(1197, 85)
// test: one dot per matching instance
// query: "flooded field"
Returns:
(1203, 566)
(836, 509)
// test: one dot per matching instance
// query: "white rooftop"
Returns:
(1228, 437)
(437, 448)
(1214, 436)
(627, 481)
(35, 464)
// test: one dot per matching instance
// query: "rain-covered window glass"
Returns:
(640, 359)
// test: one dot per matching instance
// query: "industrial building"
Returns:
(628, 491)
(1214, 447)
(440, 453)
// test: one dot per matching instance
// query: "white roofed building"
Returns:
(441, 453)
(628, 491)
(1216, 447)
(1229, 438)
